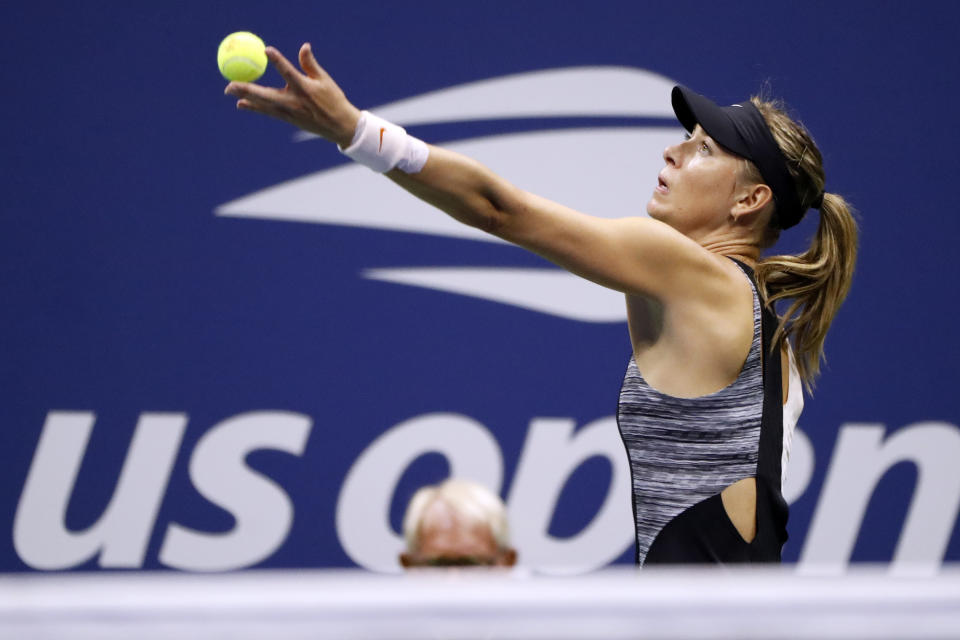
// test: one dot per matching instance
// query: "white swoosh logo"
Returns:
(550, 291)
(608, 172)
(570, 91)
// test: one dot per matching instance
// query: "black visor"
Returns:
(741, 129)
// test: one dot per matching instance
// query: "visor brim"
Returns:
(692, 109)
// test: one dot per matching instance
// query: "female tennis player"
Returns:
(713, 390)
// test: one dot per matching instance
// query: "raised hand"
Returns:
(311, 100)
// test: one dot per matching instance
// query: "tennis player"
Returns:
(713, 388)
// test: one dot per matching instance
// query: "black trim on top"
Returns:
(772, 509)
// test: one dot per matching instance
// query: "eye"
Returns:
(704, 148)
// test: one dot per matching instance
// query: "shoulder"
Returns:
(636, 255)
(700, 275)
(684, 269)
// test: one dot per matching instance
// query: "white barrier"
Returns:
(462, 604)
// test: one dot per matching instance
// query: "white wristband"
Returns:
(382, 145)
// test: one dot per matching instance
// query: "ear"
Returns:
(750, 201)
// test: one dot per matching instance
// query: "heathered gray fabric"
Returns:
(685, 450)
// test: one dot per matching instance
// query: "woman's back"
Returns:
(685, 452)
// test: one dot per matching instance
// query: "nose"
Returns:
(670, 155)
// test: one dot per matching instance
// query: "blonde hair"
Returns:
(817, 281)
(469, 500)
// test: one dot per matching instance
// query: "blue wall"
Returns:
(132, 293)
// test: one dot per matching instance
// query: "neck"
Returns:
(744, 250)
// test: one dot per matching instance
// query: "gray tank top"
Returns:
(685, 450)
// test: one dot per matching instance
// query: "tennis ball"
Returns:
(242, 57)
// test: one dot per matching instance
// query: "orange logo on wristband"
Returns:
(382, 129)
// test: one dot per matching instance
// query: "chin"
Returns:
(660, 214)
(654, 211)
(663, 216)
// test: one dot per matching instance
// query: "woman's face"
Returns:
(697, 189)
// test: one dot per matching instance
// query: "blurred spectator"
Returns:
(456, 524)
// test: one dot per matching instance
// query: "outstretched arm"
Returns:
(633, 255)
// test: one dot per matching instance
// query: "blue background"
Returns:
(123, 293)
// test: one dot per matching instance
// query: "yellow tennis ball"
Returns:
(242, 57)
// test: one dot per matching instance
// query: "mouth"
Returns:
(662, 185)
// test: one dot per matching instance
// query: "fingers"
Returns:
(249, 89)
(271, 109)
(309, 64)
(255, 104)
(310, 100)
(253, 97)
(283, 66)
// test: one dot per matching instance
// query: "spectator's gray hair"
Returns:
(473, 502)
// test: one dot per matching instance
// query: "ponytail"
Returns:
(815, 283)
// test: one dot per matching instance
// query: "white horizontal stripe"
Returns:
(770, 603)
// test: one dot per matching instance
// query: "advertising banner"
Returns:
(226, 346)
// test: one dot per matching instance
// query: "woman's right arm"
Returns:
(634, 255)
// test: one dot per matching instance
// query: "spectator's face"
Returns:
(447, 540)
